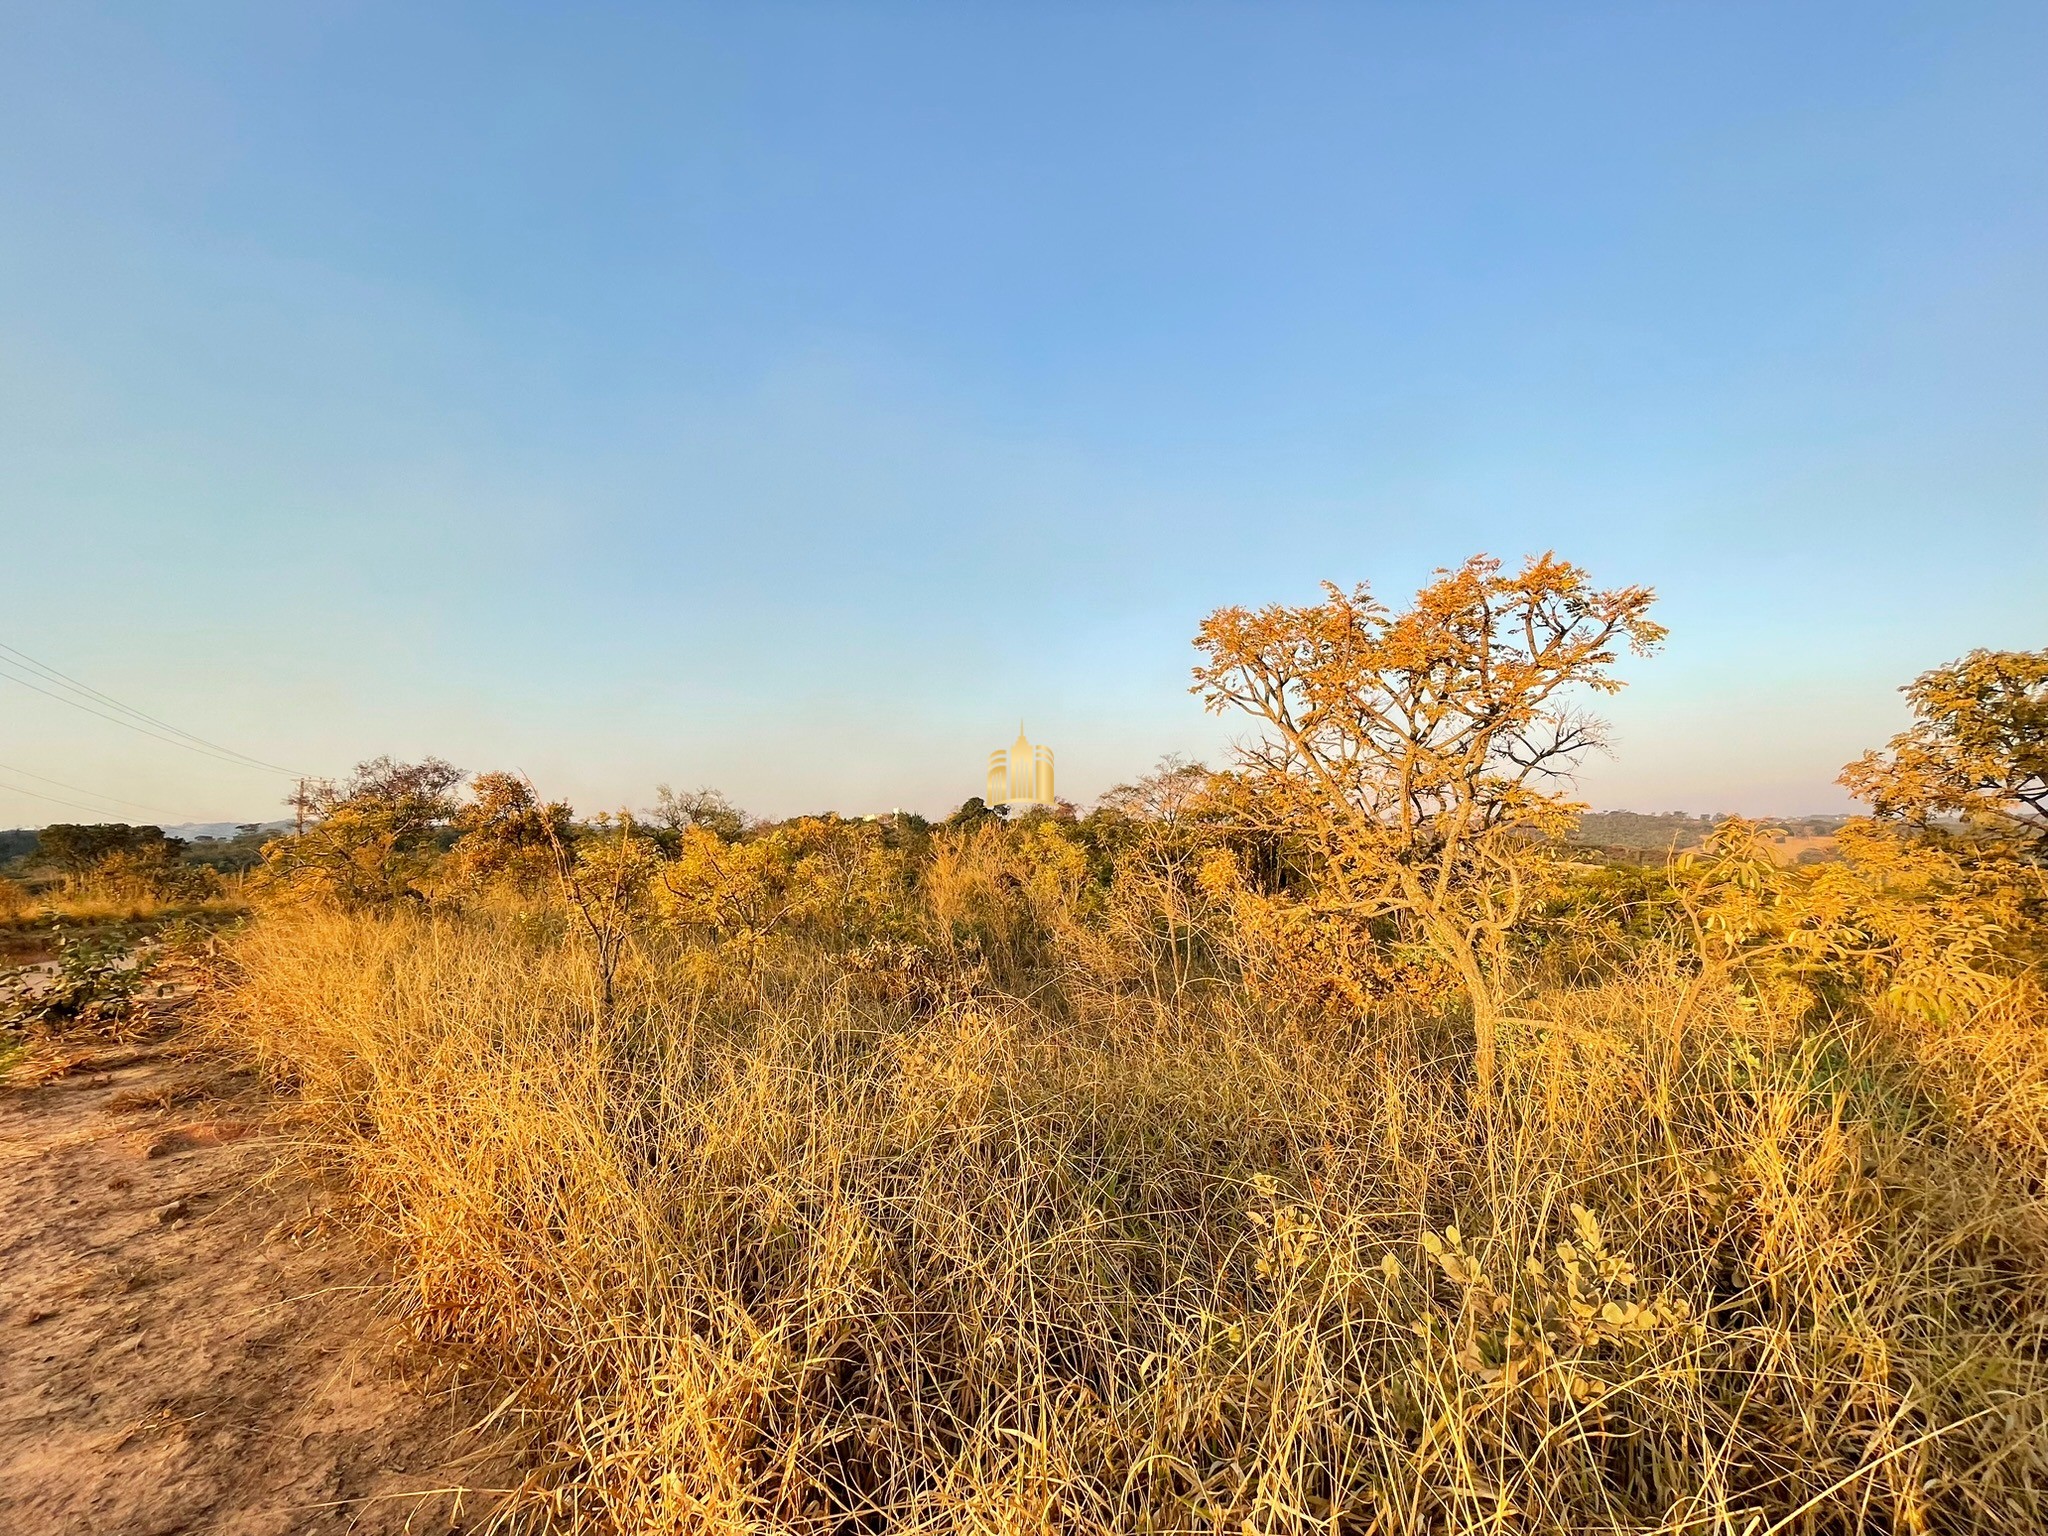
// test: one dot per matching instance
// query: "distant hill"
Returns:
(192, 831)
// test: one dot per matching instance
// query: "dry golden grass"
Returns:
(16, 901)
(87, 904)
(761, 1251)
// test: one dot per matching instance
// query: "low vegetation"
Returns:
(72, 891)
(112, 871)
(1323, 1144)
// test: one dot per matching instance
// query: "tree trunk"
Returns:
(1485, 1008)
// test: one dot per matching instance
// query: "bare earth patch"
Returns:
(184, 1345)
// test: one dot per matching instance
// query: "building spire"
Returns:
(1022, 775)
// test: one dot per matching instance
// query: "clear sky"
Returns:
(792, 398)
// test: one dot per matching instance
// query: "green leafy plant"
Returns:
(98, 978)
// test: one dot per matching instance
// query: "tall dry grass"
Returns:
(770, 1248)
(90, 902)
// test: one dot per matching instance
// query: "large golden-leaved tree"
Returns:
(1422, 757)
(1977, 750)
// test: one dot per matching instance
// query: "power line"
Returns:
(92, 794)
(189, 742)
(116, 719)
(54, 800)
(65, 680)
(91, 697)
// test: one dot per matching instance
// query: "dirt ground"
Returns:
(185, 1344)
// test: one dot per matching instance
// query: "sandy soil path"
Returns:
(184, 1347)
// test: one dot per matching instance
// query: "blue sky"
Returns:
(791, 398)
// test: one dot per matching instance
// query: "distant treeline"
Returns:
(1662, 831)
(64, 847)
(1649, 832)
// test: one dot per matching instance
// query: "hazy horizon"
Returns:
(791, 398)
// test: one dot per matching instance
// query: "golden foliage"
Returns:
(371, 841)
(1415, 757)
(1978, 749)
(146, 876)
(1905, 921)
(821, 876)
(504, 833)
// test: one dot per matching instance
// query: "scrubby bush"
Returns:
(97, 979)
(373, 839)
